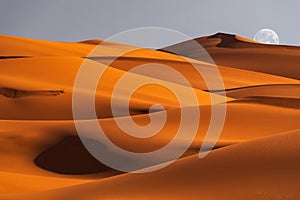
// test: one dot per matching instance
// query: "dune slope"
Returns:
(255, 157)
(233, 51)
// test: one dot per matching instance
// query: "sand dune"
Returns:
(58, 74)
(275, 101)
(15, 93)
(272, 90)
(265, 166)
(232, 78)
(51, 136)
(231, 51)
(21, 183)
(42, 156)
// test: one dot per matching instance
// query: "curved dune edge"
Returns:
(70, 157)
(227, 50)
(21, 183)
(259, 163)
(232, 78)
(42, 156)
(28, 47)
(39, 136)
(59, 73)
(271, 90)
(292, 103)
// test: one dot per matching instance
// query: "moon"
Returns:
(266, 36)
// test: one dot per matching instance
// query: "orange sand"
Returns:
(258, 150)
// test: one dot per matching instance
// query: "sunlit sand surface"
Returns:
(256, 157)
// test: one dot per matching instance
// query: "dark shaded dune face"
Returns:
(43, 156)
(224, 40)
(186, 69)
(272, 90)
(13, 57)
(230, 41)
(221, 40)
(293, 103)
(69, 156)
(15, 93)
(233, 41)
(92, 42)
(236, 52)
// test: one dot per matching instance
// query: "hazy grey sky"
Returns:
(73, 20)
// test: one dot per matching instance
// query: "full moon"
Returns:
(266, 36)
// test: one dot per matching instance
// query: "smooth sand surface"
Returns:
(266, 168)
(256, 156)
(231, 51)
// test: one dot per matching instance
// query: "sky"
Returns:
(76, 20)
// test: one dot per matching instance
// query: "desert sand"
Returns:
(256, 156)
